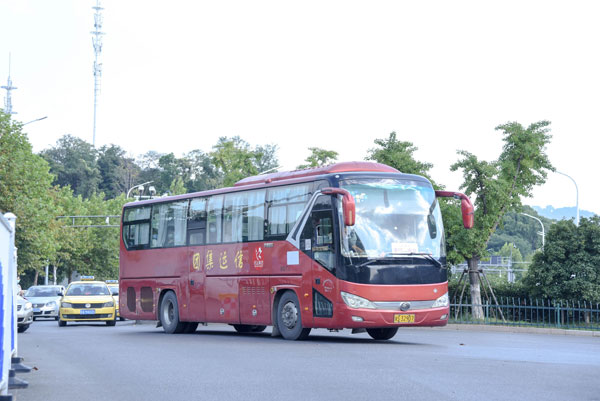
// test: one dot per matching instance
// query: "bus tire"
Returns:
(169, 314)
(289, 317)
(383, 333)
(190, 327)
(248, 328)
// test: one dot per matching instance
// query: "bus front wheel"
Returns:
(289, 319)
(382, 334)
(169, 314)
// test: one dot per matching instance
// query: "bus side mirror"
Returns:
(467, 213)
(466, 207)
(348, 204)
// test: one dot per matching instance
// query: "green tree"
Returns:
(117, 171)
(319, 157)
(510, 250)
(235, 159)
(569, 267)
(25, 190)
(498, 187)
(398, 154)
(73, 162)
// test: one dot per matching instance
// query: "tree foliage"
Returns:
(319, 157)
(25, 191)
(73, 161)
(398, 154)
(569, 267)
(498, 187)
(235, 159)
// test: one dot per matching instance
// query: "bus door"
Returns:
(318, 241)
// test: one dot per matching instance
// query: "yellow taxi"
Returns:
(113, 286)
(87, 301)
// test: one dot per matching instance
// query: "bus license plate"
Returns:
(87, 311)
(400, 318)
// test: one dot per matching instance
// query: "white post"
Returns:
(12, 284)
(6, 235)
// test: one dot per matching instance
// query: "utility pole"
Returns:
(97, 42)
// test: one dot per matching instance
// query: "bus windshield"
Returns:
(394, 218)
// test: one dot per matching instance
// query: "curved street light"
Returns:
(543, 233)
(139, 186)
(576, 194)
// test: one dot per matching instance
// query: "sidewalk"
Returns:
(521, 329)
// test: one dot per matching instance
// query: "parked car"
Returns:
(87, 301)
(24, 314)
(113, 286)
(45, 300)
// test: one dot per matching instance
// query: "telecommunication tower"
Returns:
(8, 87)
(97, 42)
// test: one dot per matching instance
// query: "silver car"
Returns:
(45, 300)
(24, 314)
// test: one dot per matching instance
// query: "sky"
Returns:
(177, 75)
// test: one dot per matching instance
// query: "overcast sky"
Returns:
(177, 75)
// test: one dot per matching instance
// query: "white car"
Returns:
(24, 314)
(45, 300)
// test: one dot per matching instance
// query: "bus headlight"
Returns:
(356, 302)
(441, 301)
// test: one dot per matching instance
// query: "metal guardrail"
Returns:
(580, 315)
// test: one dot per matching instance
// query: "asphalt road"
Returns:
(140, 362)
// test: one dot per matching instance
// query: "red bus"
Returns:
(353, 245)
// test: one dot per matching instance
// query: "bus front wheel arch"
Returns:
(289, 317)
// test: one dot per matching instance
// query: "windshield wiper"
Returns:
(422, 255)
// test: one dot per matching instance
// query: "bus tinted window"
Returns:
(136, 235)
(254, 228)
(285, 206)
(243, 216)
(197, 222)
(215, 206)
(169, 224)
(137, 213)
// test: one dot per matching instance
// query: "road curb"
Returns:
(518, 329)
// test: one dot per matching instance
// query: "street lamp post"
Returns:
(576, 198)
(543, 233)
(139, 186)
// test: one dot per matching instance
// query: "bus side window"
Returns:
(197, 221)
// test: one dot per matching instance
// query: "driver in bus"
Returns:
(354, 241)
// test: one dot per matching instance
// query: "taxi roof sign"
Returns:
(112, 281)
(83, 278)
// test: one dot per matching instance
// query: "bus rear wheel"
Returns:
(382, 334)
(289, 318)
(169, 314)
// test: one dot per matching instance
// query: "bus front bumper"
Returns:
(371, 318)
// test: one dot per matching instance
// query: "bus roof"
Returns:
(291, 176)
(343, 167)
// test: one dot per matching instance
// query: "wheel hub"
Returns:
(289, 315)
